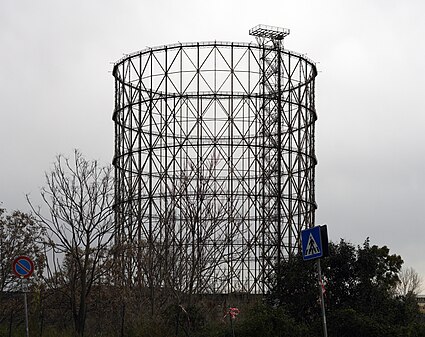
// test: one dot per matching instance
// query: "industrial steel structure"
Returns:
(214, 162)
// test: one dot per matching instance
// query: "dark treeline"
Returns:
(362, 297)
(81, 288)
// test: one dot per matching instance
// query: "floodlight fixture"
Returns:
(271, 32)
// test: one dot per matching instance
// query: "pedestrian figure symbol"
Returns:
(312, 247)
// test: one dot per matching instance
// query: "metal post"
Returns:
(322, 302)
(26, 308)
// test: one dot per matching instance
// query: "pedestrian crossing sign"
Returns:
(313, 243)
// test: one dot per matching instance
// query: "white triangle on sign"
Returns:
(312, 247)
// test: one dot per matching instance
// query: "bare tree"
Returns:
(78, 197)
(197, 226)
(410, 282)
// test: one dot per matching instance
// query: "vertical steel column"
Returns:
(279, 156)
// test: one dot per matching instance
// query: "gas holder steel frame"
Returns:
(214, 163)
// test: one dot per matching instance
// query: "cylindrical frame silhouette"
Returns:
(214, 162)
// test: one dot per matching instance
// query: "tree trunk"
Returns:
(122, 319)
(81, 316)
(10, 323)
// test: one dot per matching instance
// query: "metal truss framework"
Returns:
(214, 163)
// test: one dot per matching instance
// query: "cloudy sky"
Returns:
(57, 93)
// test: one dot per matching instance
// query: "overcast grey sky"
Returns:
(57, 93)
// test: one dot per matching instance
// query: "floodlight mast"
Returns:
(270, 39)
(265, 34)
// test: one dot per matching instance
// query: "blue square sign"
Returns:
(311, 243)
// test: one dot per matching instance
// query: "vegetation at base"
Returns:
(361, 296)
(361, 300)
(81, 289)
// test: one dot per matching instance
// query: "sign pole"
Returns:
(322, 300)
(314, 243)
(26, 307)
(23, 267)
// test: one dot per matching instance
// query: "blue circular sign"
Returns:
(23, 267)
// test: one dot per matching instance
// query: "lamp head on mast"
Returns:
(265, 34)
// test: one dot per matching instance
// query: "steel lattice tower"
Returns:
(214, 162)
